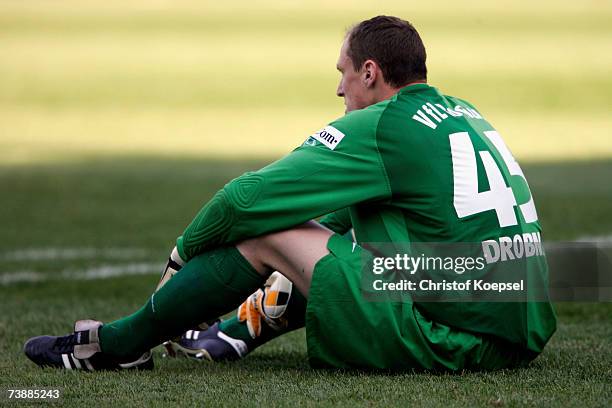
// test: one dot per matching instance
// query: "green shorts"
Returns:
(345, 331)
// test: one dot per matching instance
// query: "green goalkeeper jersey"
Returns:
(418, 167)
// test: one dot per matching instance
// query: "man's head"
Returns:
(378, 57)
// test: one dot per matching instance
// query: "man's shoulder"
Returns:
(418, 93)
(362, 120)
(460, 101)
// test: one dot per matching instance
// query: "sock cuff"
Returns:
(245, 265)
(233, 269)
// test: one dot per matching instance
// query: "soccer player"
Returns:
(405, 164)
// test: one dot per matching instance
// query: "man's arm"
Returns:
(333, 170)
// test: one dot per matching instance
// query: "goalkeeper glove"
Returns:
(175, 263)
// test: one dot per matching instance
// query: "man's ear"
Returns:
(370, 73)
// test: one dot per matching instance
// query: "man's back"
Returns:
(452, 179)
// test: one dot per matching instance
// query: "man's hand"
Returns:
(175, 263)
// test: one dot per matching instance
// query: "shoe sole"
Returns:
(175, 350)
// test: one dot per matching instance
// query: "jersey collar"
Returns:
(414, 88)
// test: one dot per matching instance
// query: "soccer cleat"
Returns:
(80, 351)
(210, 344)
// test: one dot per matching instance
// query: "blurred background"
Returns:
(82, 79)
(120, 119)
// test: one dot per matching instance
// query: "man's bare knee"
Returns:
(293, 252)
(251, 249)
(310, 229)
(260, 251)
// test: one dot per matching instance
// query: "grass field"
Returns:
(61, 213)
(118, 120)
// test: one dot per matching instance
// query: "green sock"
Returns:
(208, 286)
(236, 329)
(295, 313)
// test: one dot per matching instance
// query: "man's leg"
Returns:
(271, 311)
(216, 282)
(212, 284)
(293, 252)
(209, 285)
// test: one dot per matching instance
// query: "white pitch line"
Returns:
(595, 238)
(111, 271)
(48, 254)
(21, 276)
(98, 272)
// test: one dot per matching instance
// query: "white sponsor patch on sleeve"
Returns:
(329, 136)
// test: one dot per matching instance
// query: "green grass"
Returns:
(118, 120)
(143, 204)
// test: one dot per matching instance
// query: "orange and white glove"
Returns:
(267, 305)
